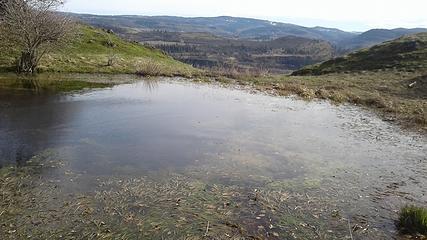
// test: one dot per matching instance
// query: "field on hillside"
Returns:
(94, 50)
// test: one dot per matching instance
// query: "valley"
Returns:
(207, 51)
(241, 44)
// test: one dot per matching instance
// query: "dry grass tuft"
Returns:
(149, 69)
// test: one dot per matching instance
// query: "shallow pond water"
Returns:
(204, 161)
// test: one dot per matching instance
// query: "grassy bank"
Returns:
(94, 50)
(390, 78)
(389, 93)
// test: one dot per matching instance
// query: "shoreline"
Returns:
(408, 112)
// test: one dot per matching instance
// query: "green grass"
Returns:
(90, 51)
(413, 220)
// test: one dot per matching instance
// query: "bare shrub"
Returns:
(149, 68)
(112, 59)
(34, 27)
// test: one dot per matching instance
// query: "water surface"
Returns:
(333, 158)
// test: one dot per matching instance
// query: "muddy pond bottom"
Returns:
(172, 159)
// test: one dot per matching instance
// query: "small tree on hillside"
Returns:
(34, 27)
(2, 7)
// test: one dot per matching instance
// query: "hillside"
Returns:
(230, 27)
(408, 54)
(94, 50)
(242, 43)
(244, 28)
(375, 36)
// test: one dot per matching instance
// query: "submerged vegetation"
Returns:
(413, 220)
(168, 206)
(125, 207)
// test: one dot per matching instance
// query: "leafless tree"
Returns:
(2, 8)
(34, 27)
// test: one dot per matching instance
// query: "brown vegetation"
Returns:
(149, 69)
(389, 93)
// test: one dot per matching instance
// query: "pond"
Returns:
(175, 159)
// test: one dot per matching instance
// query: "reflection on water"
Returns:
(31, 84)
(151, 84)
(217, 135)
(153, 125)
(27, 124)
(30, 109)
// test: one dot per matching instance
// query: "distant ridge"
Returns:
(224, 26)
(407, 53)
(375, 36)
(246, 28)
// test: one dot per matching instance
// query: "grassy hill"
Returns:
(407, 54)
(390, 77)
(376, 36)
(94, 50)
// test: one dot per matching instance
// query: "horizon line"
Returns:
(254, 18)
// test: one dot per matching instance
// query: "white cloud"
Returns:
(372, 13)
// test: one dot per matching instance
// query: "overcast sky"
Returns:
(351, 15)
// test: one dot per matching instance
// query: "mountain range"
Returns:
(244, 28)
(376, 36)
(241, 43)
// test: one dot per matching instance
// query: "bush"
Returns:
(413, 220)
(149, 69)
(112, 59)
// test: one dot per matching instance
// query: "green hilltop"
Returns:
(94, 50)
(406, 54)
